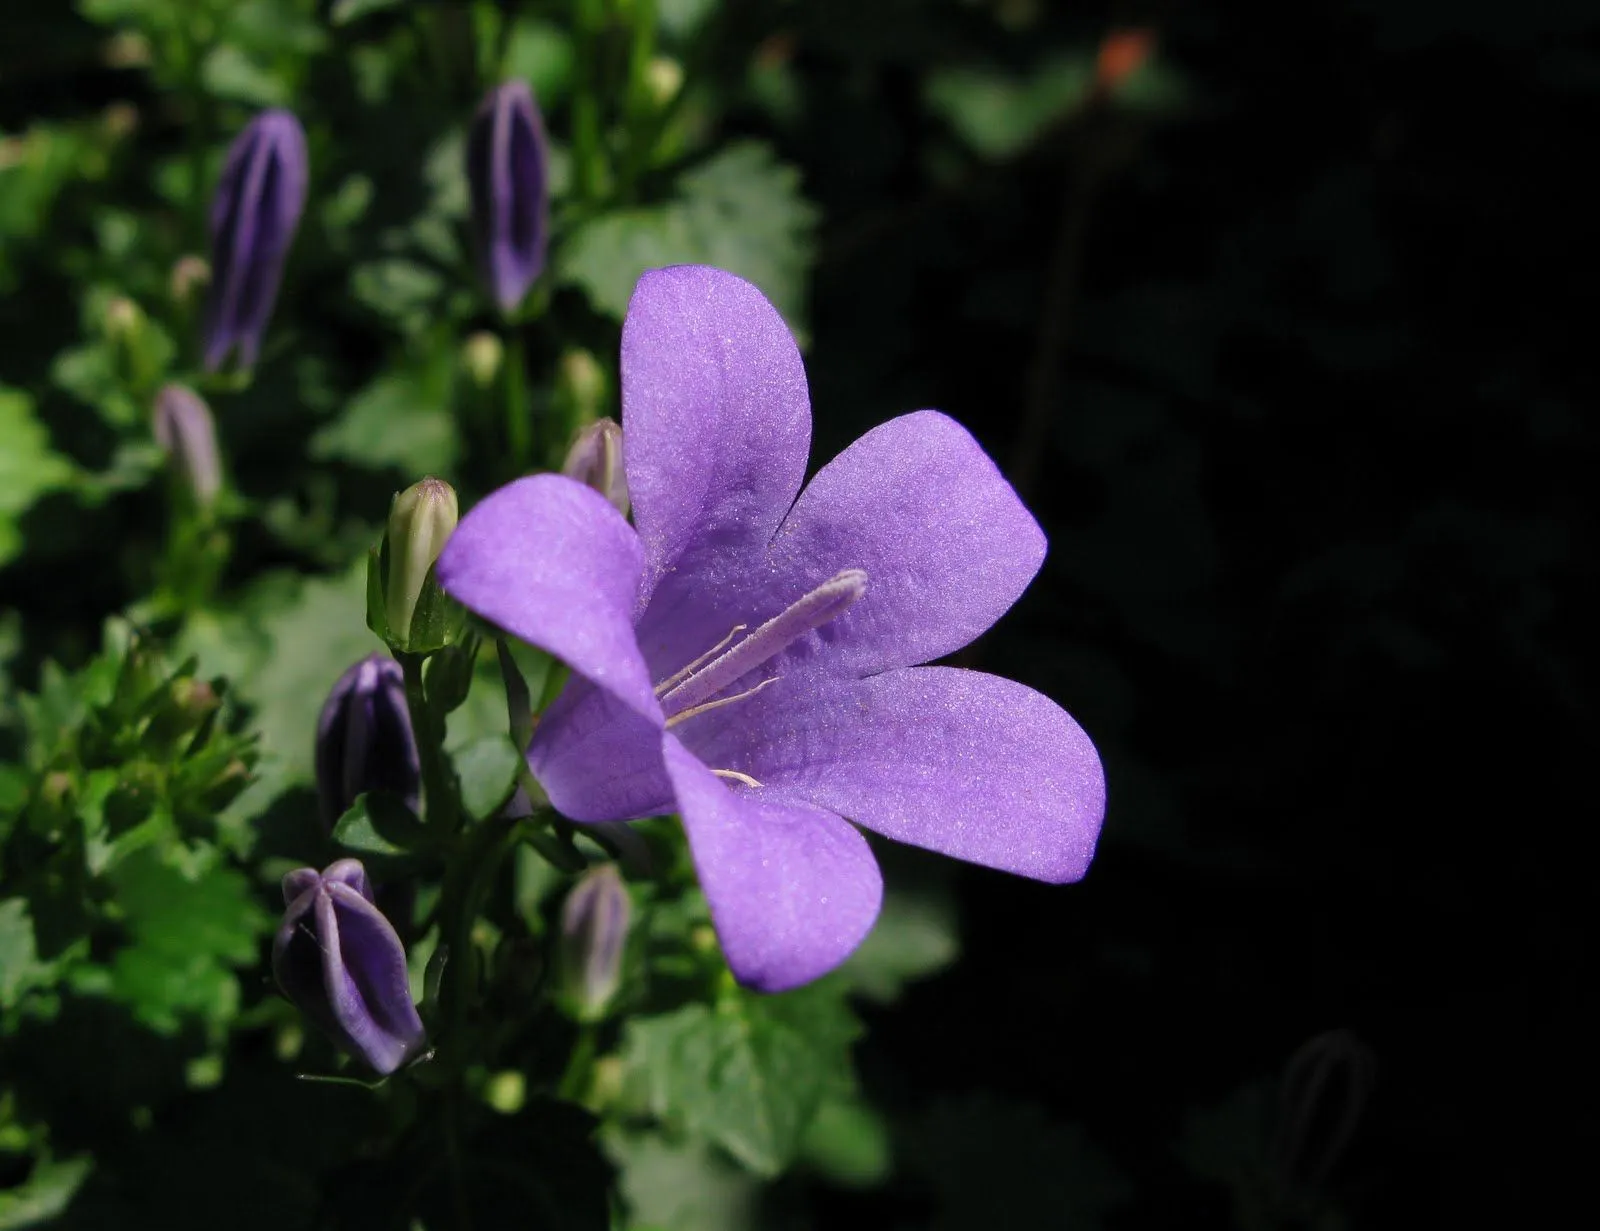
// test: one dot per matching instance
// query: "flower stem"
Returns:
(640, 130)
(586, 145)
(519, 419)
(438, 783)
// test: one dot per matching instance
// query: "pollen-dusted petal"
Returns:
(793, 890)
(597, 760)
(960, 762)
(551, 562)
(716, 423)
(919, 506)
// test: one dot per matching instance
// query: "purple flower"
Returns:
(747, 658)
(253, 219)
(510, 197)
(184, 429)
(338, 959)
(364, 739)
(594, 932)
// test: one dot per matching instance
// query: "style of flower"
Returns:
(747, 656)
(510, 196)
(343, 965)
(253, 221)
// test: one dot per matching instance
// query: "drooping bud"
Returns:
(421, 519)
(594, 931)
(253, 220)
(595, 460)
(364, 739)
(343, 965)
(481, 357)
(184, 429)
(506, 175)
(1324, 1090)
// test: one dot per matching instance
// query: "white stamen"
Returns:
(681, 715)
(736, 776)
(677, 677)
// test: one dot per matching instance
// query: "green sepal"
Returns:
(487, 769)
(379, 827)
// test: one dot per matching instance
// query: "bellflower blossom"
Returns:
(747, 657)
(364, 739)
(510, 196)
(253, 220)
(341, 962)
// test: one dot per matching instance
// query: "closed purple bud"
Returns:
(184, 429)
(253, 219)
(342, 964)
(1324, 1091)
(364, 739)
(510, 192)
(594, 930)
(595, 460)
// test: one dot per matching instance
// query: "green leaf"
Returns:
(915, 936)
(44, 1195)
(680, 1186)
(190, 928)
(741, 210)
(20, 967)
(488, 769)
(228, 72)
(749, 1074)
(848, 1142)
(28, 466)
(401, 421)
(346, 11)
(379, 824)
(999, 114)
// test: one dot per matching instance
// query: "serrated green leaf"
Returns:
(346, 11)
(749, 1074)
(44, 1195)
(848, 1142)
(999, 114)
(741, 210)
(488, 769)
(28, 466)
(20, 967)
(680, 1186)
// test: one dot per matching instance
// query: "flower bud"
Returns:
(364, 739)
(184, 429)
(342, 964)
(510, 195)
(481, 357)
(663, 78)
(253, 220)
(595, 460)
(1323, 1092)
(420, 520)
(189, 274)
(580, 387)
(594, 929)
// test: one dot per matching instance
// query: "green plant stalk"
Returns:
(641, 136)
(587, 153)
(518, 412)
(438, 783)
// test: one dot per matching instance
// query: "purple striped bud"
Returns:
(253, 220)
(184, 429)
(594, 931)
(595, 460)
(342, 964)
(364, 739)
(1324, 1091)
(510, 191)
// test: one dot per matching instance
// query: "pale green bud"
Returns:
(481, 357)
(421, 519)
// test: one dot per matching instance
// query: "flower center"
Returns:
(693, 690)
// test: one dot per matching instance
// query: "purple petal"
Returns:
(551, 562)
(597, 760)
(967, 764)
(945, 542)
(716, 423)
(792, 889)
(368, 986)
(506, 176)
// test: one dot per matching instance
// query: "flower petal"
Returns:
(960, 762)
(716, 421)
(368, 986)
(551, 562)
(945, 542)
(597, 760)
(793, 889)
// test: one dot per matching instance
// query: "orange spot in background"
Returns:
(1122, 53)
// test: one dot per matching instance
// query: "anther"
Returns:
(736, 776)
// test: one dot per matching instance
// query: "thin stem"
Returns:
(580, 1064)
(437, 782)
(586, 136)
(519, 417)
(641, 49)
